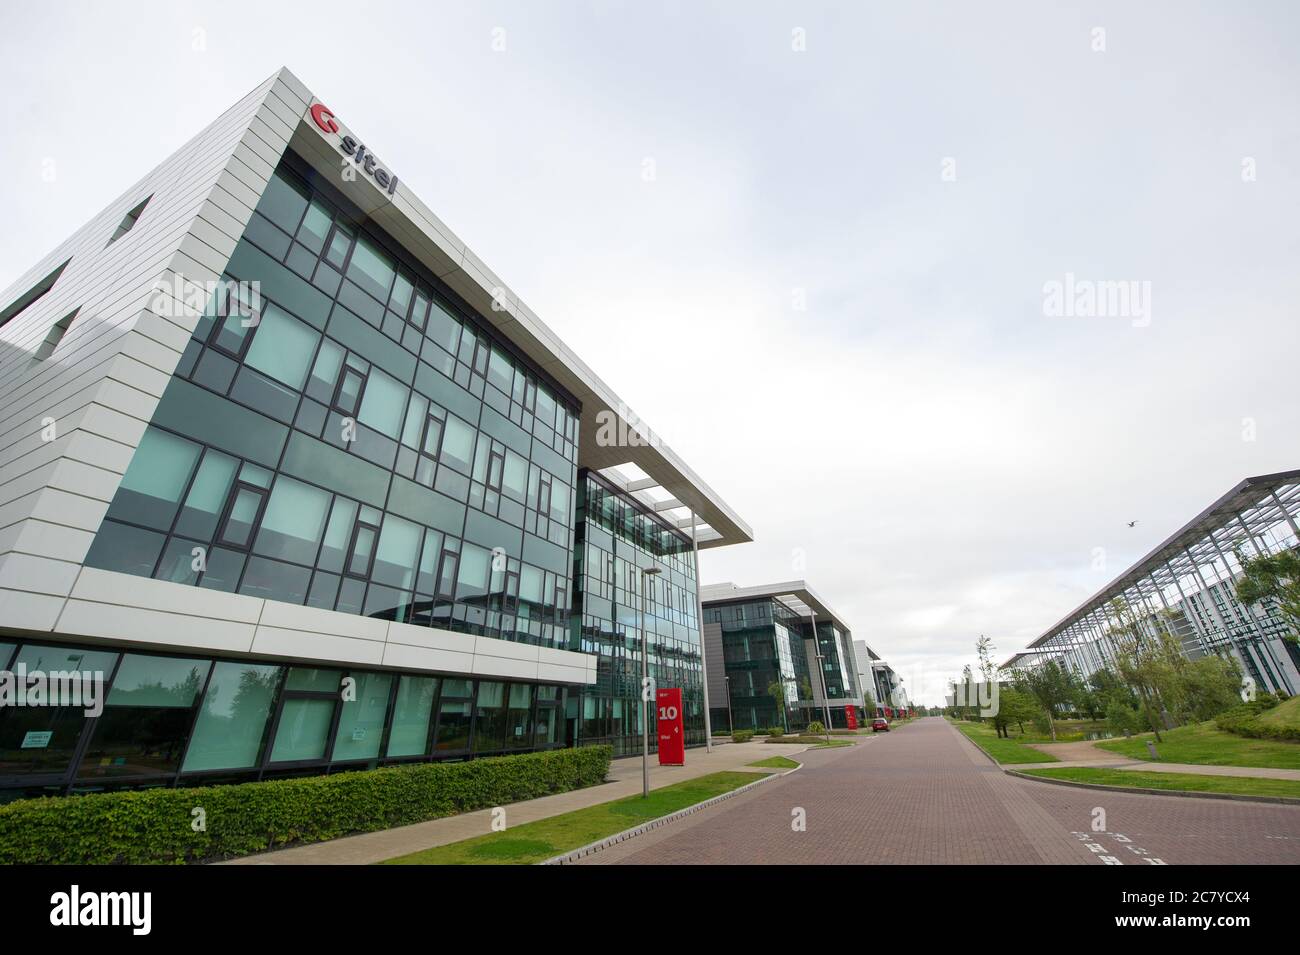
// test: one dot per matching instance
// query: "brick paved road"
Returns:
(924, 794)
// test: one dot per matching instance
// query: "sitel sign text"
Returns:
(324, 119)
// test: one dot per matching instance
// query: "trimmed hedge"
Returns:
(742, 736)
(1244, 720)
(155, 825)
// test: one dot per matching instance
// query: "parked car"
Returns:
(878, 724)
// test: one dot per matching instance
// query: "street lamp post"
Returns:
(817, 647)
(731, 724)
(825, 701)
(645, 682)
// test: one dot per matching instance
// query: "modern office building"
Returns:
(758, 639)
(311, 488)
(1187, 585)
(876, 675)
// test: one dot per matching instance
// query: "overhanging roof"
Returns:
(1252, 502)
(424, 235)
(795, 594)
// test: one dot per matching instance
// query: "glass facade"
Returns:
(617, 539)
(342, 432)
(836, 648)
(771, 670)
(763, 647)
(360, 443)
(182, 720)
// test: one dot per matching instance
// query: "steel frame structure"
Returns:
(1189, 577)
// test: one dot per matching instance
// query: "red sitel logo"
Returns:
(323, 118)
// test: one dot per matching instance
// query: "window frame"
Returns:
(255, 525)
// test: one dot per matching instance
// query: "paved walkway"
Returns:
(927, 795)
(1084, 755)
(624, 780)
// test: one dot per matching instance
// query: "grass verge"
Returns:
(1008, 751)
(1183, 782)
(775, 762)
(1206, 745)
(807, 741)
(540, 840)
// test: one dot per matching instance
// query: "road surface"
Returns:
(924, 794)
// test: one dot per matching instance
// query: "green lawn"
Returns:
(1241, 785)
(1207, 745)
(775, 762)
(1286, 713)
(807, 741)
(537, 841)
(1003, 750)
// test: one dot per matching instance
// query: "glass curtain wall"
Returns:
(352, 437)
(169, 720)
(617, 538)
(767, 671)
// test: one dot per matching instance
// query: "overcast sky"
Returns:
(809, 244)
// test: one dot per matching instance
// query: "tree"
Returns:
(964, 709)
(1087, 701)
(1049, 685)
(1211, 685)
(869, 703)
(1275, 576)
(776, 690)
(984, 649)
(1138, 662)
(1013, 707)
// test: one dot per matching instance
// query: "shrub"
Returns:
(742, 736)
(1244, 720)
(1122, 719)
(154, 825)
(816, 727)
(776, 731)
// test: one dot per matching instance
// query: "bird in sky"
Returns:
(1132, 523)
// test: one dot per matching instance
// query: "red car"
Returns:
(878, 724)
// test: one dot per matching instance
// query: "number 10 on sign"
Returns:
(672, 739)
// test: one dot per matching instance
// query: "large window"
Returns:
(232, 721)
(282, 347)
(361, 722)
(490, 717)
(306, 712)
(41, 740)
(147, 718)
(454, 711)
(151, 489)
(519, 717)
(409, 733)
(294, 521)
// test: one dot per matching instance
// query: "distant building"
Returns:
(759, 637)
(1187, 584)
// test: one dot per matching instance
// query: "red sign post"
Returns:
(851, 714)
(672, 739)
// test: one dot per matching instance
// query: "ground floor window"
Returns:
(175, 719)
